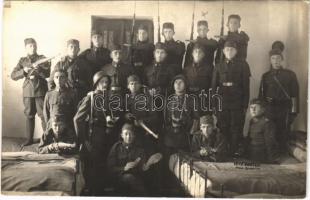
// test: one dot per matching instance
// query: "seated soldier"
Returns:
(58, 138)
(262, 146)
(126, 162)
(208, 143)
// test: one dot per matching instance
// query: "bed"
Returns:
(240, 180)
(25, 172)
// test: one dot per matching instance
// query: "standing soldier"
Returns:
(79, 74)
(61, 100)
(117, 71)
(240, 38)
(142, 51)
(279, 88)
(198, 74)
(175, 49)
(34, 86)
(158, 75)
(231, 80)
(91, 126)
(96, 56)
(210, 45)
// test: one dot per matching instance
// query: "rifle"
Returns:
(222, 28)
(38, 63)
(158, 23)
(193, 24)
(132, 35)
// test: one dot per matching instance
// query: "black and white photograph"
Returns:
(190, 99)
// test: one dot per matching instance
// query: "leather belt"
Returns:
(116, 88)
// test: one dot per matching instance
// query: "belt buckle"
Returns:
(228, 84)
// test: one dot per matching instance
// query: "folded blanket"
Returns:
(298, 153)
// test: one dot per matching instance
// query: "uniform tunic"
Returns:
(175, 53)
(210, 47)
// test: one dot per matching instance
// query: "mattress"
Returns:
(12, 144)
(201, 178)
(31, 172)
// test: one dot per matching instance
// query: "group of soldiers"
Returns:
(134, 145)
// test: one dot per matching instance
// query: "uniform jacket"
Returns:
(233, 80)
(48, 143)
(63, 102)
(96, 58)
(175, 53)
(36, 87)
(217, 142)
(210, 47)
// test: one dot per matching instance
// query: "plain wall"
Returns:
(53, 23)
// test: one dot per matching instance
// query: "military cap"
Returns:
(234, 16)
(168, 25)
(143, 27)
(179, 76)
(58, 118)
(202, 23)
(275, 52)
(278, 45)
(115, 47)
(258, 101)
(74, 42)
(206, 119)
(160, 45)
(98, 76)
(128, 126)
(95, 32)
(133, 78)
(29, 41)
(198, 46)
(230, 43)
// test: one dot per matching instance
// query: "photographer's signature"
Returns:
(246, 165)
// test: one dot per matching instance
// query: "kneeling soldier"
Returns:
(34, 86)
(93, 135)
(262, 145)
(209, 143)
(59, 138)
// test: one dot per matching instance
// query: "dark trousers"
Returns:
(231, 123)
(33, 106)
(128, 184)
(279, 114)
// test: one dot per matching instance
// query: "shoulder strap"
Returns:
(281, 87)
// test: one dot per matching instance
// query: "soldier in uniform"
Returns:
(34, 86)
(231, 80)
(262, 145)
(209, 143)
(240, 38)
(79, 74)
(142, 51)
(126, 162)
(96, 56)
(198, 75)
(279, 88)
(58, 138)
(157, 76)
(175, 49)
(92, 123)
(117, 70)
(61, 100)
(210, 45)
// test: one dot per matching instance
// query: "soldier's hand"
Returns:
(138, 122)
(31, 77)
(90, 93)
(203, 152)
(88, 146)
(27, 69)
(130, 165)
(129, 116)
(35, 66)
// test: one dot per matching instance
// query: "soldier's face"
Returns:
(202, 31)
(233, 25)
(256, 110)
(206, 129)
(198, 55)
(103, 84)
(97, 40)
(168, 34)
(72, 50)
(276, 61)
(230, 52)
(31, 48)
(142, 35)
(179, 86)
(60, 79)
(58, 128)
(116, 56)
(160, 55)
(128, 136)
(134, 86)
